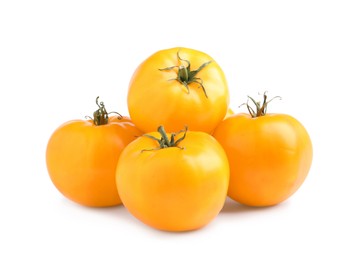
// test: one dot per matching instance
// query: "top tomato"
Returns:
(178, 87)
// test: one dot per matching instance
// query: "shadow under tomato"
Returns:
(117, 211)
(233, 207)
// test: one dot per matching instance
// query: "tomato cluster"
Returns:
(173, 164)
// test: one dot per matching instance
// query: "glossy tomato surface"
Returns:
(159, 94)
(270, 157)
(81, 159)
(175, 188)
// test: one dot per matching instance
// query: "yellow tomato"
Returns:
(81, 157)
(177, 87)
(177, 182)
(269, 155)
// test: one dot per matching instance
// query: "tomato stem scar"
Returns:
(186, 76)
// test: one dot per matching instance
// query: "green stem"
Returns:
(185, 75)
(101, 116)
(260, 109)
(164, 141)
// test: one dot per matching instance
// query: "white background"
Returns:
(57, 56)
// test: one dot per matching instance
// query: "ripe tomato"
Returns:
(82, 155)
(176, 183)
(269, 155)
(175, 87)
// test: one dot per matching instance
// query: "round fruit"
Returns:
(269, 155)
(81, 157)
(177, 87)
(173, 182)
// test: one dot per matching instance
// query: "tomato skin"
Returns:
(154, 98)
(81, 159)
(269, 156)
(174, 189)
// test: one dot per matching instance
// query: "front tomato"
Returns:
(178, 86)
(81, 157)
(269, 155)
(176, 182)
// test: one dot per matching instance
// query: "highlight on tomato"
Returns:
(173, 182)
(178, 86)
(270, 155)
(81, 157)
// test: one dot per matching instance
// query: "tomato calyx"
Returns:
(101, 116)
(164, 141)
(186, 76)
(260, 109)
